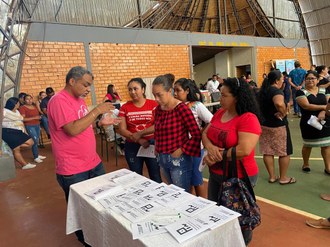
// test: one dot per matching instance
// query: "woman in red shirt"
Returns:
(31, 119)
(235, 124)
(174, 121)
(137, 126)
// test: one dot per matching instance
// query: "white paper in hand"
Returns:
(148, 152)
(202, 165)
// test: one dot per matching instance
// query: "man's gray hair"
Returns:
(77, 72)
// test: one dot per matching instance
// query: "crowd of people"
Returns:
(21, 125)
(178, 127)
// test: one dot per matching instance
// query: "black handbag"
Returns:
(237, 194)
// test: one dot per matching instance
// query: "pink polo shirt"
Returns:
(73, 154)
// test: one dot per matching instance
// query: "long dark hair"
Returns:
(113, 94)
(246, 99)
(192, 87)
(271, 79)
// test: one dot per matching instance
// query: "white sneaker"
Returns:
(41, 157)
(28, 166)
(38, 160)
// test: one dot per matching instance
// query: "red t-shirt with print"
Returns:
(225, 135)
(139, 118)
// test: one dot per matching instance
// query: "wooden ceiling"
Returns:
(209, 16)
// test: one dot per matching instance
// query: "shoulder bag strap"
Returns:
(224, 165)
(224, 176)
(246, 177)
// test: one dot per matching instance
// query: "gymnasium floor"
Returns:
(33, 207)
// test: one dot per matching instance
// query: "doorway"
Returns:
(243, 70)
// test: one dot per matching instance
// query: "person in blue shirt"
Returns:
(286, 90)
(296, 80)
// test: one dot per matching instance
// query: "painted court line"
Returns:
(291, 209)
(293, 158)
(276, 204)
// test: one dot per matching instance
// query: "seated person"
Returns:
(13, 132)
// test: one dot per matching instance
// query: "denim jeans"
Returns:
(34, 133)
(135, 164)
(44, 123)
(197, 176)
(177, 171)
(66, 180)
(295, 104)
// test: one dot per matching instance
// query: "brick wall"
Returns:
(265, 54)
(118, 63)
(46, 64)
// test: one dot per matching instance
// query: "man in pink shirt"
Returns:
(73, 140)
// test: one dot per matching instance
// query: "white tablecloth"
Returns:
(103, 227)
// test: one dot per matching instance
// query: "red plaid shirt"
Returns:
(172, 130)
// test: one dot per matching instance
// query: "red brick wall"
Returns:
(46, 64)
(265, 54)
(118, 63)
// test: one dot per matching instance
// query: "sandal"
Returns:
(291, 181)
(306, 169)
(274, 180)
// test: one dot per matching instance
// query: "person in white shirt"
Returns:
(13, 132)
(212, 85)
(186, 91)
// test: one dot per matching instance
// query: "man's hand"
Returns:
(107, 119)
(105, 107)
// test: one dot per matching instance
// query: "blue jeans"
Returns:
(66, 180)
(44, 123)
(197, 176)
(177, 171)
(295, 104)
(135, 164)
(34, 133)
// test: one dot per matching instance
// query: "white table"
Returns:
(103, 227)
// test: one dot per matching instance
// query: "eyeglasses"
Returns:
(310, 78)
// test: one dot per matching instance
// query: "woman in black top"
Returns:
(275, 138)
(313, 101)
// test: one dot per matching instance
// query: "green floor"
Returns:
(303, 195)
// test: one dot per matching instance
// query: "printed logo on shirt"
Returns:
(83, 111)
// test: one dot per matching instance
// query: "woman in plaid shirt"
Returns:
(174, 122)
